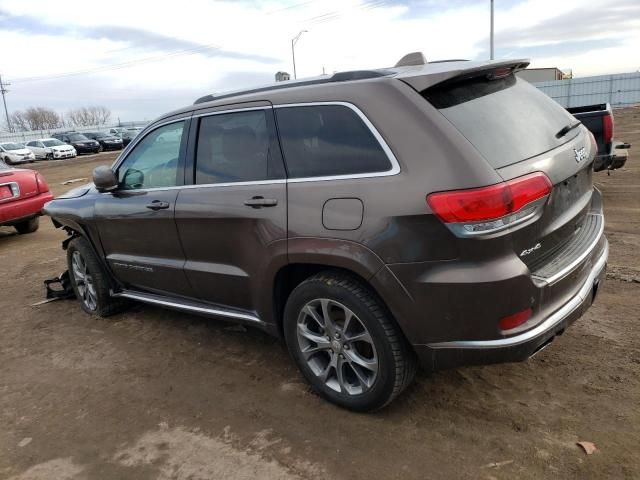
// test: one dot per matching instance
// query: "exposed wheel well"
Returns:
(292, 275)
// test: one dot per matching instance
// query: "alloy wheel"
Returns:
(84, 281)
(337, 346)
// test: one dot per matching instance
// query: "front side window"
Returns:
(153, 163)
(328, 140)
(235, 147)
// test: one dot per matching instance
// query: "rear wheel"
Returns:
(28, 226)
(89, 280)
(345, 342)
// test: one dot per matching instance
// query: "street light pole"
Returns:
(491, 34)
(294, 40)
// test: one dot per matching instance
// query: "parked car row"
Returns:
(66, 145)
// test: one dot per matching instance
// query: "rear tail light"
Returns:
(489, 208)
(512, 321)
(607, 128)
(42, 184)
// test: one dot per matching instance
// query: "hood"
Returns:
(76, 192)
(21, 151)
(62, 148)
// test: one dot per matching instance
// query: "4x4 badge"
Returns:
(581, 154)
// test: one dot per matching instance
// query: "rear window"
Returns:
(328, 140)
(507, 120)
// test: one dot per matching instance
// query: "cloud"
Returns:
(133, 37)
(144, 57)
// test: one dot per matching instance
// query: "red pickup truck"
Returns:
(23, 193)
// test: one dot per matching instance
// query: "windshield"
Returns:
(52, 143)
(76, 137)
(11, 146)
(507, 120)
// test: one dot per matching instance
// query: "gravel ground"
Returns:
(154, 394)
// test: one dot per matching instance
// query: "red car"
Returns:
(23, 193)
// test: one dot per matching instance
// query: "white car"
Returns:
(13, 153)
(51, 148)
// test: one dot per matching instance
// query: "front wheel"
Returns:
(89, 280)
(345, 342)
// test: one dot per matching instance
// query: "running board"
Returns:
(188, 306)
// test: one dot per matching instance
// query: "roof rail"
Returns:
(336, 77)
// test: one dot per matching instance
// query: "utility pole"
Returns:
(294, 40)
(4, 101)
(491, 34)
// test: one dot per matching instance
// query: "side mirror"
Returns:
(104, 179)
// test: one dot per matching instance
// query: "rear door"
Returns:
(136, 222)
(232, 219)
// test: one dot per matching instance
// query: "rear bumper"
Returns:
(442, 355)
(23, 209)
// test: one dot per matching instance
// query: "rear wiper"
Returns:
(567, 128)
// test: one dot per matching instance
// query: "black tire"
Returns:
(49, 156)
(100, 149)
(28, 226)
(8, 161)
(396, 361)
(105, 304)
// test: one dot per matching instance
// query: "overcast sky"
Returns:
(142, 58)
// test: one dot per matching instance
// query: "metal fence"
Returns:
(23, 137)
(620, 90)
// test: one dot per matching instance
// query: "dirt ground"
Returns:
(155, 394)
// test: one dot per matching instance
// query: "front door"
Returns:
(136, 222)
(232, 220)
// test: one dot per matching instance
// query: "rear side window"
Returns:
(237, 147)
(328, 140)
(507, 120)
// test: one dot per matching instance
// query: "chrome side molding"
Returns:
(188, 307)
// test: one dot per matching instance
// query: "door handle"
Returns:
(158, 205)
(259, 202)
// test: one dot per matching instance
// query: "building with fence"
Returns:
(619, 90)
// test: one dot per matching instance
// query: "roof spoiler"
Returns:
(421, 79)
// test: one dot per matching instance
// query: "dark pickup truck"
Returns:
(599, 120)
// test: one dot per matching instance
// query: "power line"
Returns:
(118, 66)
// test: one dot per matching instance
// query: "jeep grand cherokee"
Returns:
(434, 212)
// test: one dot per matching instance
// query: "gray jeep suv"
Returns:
(434, 212)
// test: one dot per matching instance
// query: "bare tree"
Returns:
(19, 121)
(35, 118)
(87, 116)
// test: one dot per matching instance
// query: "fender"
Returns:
(335, 252)
(358, 259)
